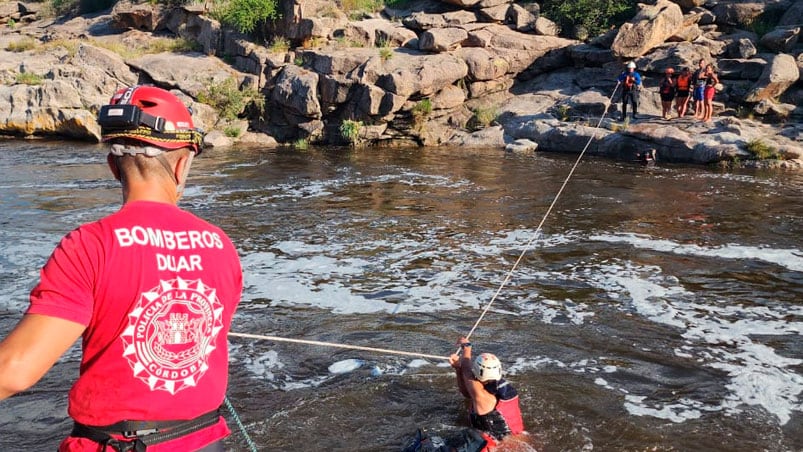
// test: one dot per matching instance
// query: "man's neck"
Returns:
(149, 191)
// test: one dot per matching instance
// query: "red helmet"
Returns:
(151, 115)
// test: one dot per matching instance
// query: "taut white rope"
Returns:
(334, 344)
(541, 224)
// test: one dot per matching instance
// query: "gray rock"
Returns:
(781, 39)
(489, 137)
(442, 39)
(650, 27)
(778, 76)
(297, 90)
(522, 146)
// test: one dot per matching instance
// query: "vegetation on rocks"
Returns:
(229, 100)
(27, 78)
(761, 150)
(350, 131)
(594, 16)
(246, 15)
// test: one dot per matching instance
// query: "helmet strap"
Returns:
(185, 174)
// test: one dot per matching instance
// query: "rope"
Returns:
(251, 444)
(333, 344)
(541, 224)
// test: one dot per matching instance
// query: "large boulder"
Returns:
(442, 39)
(297, 90)
(781, 73)
(138, 16)
(737, 12)
(50, 108)
(782, 40)
(192, 73)
(483, 64)
(408, 74)
(651, 26)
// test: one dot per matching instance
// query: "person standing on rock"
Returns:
(711, 81)
(666, 89)
(698, 95)
(682, 88)
(151, 289)
(630, 80)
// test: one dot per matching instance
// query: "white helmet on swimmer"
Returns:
(631, 65)
(486, 367)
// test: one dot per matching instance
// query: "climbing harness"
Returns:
(138, 435)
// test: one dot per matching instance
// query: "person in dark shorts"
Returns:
(667, 91)
(698, 87)
(631, 84)
(682, 91)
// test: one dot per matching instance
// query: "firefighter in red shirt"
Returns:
(151, 289)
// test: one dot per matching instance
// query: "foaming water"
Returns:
(658, 309)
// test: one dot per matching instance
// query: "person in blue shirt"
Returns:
(631, 84)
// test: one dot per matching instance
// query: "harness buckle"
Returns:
(139, 433)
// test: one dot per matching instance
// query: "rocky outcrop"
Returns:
(457, 72)
(651, 26)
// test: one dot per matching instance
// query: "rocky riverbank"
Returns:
(455, 72)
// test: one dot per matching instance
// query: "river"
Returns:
(661, 308)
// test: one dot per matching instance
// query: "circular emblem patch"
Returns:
(171, 332)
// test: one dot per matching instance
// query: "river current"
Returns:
(660, 308)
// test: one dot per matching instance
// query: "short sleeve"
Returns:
(65, 289)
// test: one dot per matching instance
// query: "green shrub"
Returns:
(301, 144)
(423, 107)
(245, 15)
(761, 150)
(385, 52)
(27, 78)
(279, 44)
(484, 116)
(563, 112)
(229, 100)
(593, 17)
(11, 23)
(357, 9)
(350, 131)
(23, 45)
(232, 131)
(421, 111)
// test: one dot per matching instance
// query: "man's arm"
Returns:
(31, 349)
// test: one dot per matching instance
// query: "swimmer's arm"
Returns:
(31, 349)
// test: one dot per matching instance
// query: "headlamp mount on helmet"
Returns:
(150, 115)
(127, 116)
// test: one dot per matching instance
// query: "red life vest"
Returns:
(666, 86)
(683, 82)
(630, 81)
(511, 411)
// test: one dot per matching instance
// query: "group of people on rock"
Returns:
(698, 85)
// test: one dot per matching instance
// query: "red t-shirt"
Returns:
(156, 288)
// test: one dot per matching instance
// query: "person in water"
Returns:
(151, 289)
(493, 402)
